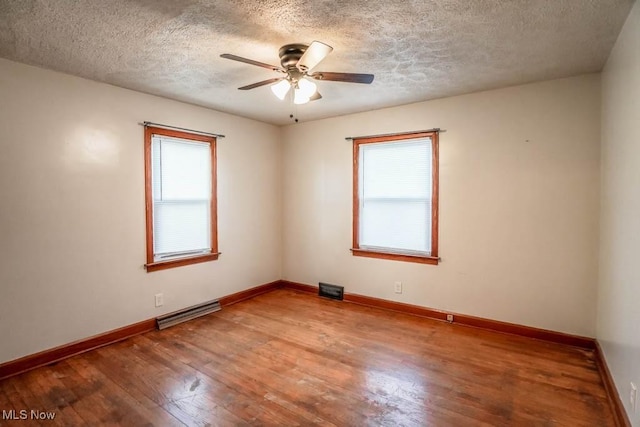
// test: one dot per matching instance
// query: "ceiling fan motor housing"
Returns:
(290, 54)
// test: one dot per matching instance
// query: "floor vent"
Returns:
(188, 313)
(331, 291)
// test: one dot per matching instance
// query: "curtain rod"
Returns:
(395, 134)
(160, 125)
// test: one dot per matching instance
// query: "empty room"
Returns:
(303, 213)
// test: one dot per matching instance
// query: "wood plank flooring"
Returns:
(288, 358)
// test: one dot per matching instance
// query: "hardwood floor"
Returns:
(289, 358)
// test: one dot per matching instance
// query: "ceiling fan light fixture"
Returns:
(296, 79)
(299, 97)
(307, 87)
(281, 89)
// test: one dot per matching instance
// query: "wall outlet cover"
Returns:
(159, 300)
(397, 287)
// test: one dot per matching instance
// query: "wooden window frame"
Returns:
(151, 264)
(432, 259)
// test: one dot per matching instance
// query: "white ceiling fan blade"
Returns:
(314, 54)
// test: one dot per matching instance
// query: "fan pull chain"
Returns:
(294, 107)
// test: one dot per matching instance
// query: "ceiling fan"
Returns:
(297, 61)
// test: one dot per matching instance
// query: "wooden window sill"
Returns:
(163, 265)
(395, 256)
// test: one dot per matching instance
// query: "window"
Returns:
(180, 192)
(395, 197)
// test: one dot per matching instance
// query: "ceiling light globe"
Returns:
(281, 89)
(299, 97)
(308, 88)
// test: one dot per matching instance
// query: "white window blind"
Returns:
(395, 196)
(181, 187)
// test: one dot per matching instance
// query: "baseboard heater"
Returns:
(331, 291)
(188, 313)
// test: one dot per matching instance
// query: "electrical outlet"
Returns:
(397, 287)
(633, 393)
(159, 300)
(450, 318)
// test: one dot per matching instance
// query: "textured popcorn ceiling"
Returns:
(418, 50)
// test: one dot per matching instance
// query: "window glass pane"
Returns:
(398, 169)
(182, 169)
(395, 196)
(401, 225)
(156, 151)
(181, 188)
(181, 226)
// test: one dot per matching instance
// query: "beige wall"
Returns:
(519, 206)
(72, 209)
(619, 285)
(519, 179)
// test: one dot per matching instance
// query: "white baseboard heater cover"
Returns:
(188, 313)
